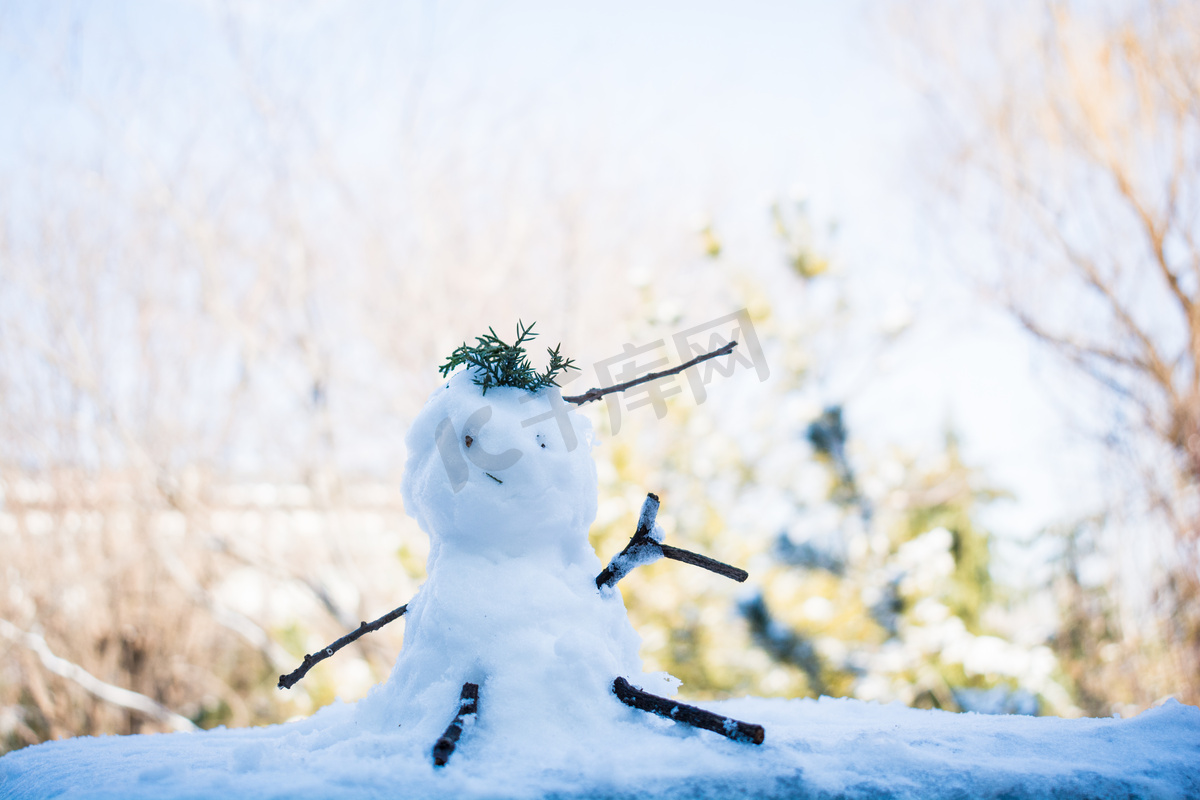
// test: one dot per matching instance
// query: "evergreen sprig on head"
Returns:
(499, 364)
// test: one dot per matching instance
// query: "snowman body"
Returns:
(505, 487)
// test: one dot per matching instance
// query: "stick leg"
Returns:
(468, 704)
(680, 712)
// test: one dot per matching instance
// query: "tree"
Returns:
(1070, 132)
(869, 575)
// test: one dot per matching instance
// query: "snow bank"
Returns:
(826, 748)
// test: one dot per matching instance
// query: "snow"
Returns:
(813, 748)
(505, 487)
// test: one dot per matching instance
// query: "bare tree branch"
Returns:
(1084, 355)
(1081, 125)
(90, 683)
(1153, 364)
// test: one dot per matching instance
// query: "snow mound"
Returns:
(813, 749)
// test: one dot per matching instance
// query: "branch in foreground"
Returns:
(596, 394)
(311, 660)
(734, 729)
(645, 548)
(125, 698)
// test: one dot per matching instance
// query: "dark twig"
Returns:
(634, 552)
(468, 704)
(643, 542)
(292, 678)
(596, 394)
(710, 564)
(689, 715)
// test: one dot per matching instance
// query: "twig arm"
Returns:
(312, 659)
(597, 393)
(710, 564)
(644, 548)
(118, 696)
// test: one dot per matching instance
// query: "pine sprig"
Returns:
(497, 363)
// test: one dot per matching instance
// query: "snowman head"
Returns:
(505, 474)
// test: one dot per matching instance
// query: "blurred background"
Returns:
(237, 240)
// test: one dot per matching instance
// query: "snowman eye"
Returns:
(468, 440)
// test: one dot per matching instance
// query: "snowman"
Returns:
(517, 633)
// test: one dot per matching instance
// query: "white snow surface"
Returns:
(814, 749)
(510, 603)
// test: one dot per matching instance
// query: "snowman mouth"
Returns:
(493, 477)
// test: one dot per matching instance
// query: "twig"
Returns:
(634, 553)
(468, 704)
(710, 564)
(125, 698)
(643, 543)
(596, 394)
(311, 660)
(734, 729)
